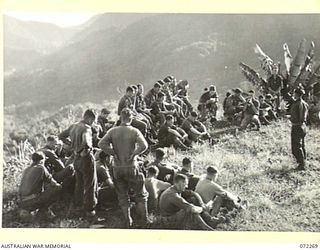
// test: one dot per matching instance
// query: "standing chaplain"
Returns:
(299, 113)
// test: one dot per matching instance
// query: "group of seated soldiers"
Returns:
(164, 117)
(249, 110)
(179, 198)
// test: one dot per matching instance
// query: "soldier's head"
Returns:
(159, 154)
(298, 93)
(237, 91)
(212, 89)
(157, 87)
(168, 79)
(152, 171)
(187, 164)
(161, 97)
(169, 120)
(261, 98)
(184, 84)
(38, 158)
(105, 112)
(181, 182)
(275, 70)
(130, 91)
(140, 89)
(228, 94)
(135, 89)
(212, 172)
(89, 116)
(251, 93)
(126, 115)
(193, 116)
(268, 98)
(53, 142)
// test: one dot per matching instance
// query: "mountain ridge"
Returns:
(201, 48)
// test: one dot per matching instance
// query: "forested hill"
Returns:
(202, 48)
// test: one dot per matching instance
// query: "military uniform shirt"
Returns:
(299, 112)
(81, 136)
(124, 140)
(33, 180)
(171, 202)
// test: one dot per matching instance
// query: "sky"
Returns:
(63, 19)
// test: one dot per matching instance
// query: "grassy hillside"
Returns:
(257, 166)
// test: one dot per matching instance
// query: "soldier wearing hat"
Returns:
(299, 113)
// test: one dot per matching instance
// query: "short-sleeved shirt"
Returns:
(171, 202)
(33, 180)
(187, 125)
(208, 190)
(80, 134)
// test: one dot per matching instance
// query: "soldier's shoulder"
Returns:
(168, 191)
(133, 129)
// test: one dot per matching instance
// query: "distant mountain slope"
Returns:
(107, 21)
(26, 41)
(202, 48)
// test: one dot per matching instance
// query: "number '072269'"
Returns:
(309, 246)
